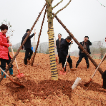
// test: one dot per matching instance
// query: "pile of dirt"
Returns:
(40, 90)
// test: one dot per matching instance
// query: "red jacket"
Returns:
(4, 47)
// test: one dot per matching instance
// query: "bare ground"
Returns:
(40, 90)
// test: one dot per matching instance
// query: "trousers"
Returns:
(69, 60)
(4, 61)
(28, 54)
(83, 55)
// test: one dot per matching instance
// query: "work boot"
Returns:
(104, 80)
(104, 84)
(25, 61)
(87, 66)
(28, 61)
(70, 64)
(11, 71)
(77, 65)
(2, 74)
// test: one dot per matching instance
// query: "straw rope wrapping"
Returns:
(54, 74)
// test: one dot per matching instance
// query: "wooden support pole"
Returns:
(22, 44)
(81, 47)
(33, 57)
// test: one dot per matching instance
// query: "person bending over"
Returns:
(27, 46)
(64, 53)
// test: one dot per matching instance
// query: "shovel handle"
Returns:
(4, 72)
(99, 65)
(15, 58)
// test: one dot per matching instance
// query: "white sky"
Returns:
(82, 18)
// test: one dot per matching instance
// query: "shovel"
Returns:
(16, 83)
(87, 84)
(19, 74)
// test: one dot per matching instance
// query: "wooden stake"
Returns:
(33, 57)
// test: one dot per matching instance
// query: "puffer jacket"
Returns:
(4, 47)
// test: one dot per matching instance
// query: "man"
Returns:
(64, 53)
(58, 43)
(27, 46)
(86, 43)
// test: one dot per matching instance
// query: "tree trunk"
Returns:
(54, 74)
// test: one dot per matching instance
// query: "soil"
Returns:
(40, 90)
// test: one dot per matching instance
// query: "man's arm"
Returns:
(89, 43)
(31, 36)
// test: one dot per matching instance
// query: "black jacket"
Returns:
(88, 43)
(64, 48)
(28, 42)
(57, 43)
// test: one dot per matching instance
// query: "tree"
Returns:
(50, 17)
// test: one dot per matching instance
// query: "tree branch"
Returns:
(52, 0)
(62, 8)
(57, 4)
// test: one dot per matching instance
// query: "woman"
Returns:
(4, 52)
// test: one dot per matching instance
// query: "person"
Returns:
(4, 52)
(27, 46)
(64, 53)
(58, 43)
(86, 43)
(104, 79)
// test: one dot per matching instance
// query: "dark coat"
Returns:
(88, 43)
(28, 42)
(64, 48)
(57, 44)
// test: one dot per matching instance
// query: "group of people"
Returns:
(4, 51)
(62, 49)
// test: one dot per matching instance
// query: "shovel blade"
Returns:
(16, 83)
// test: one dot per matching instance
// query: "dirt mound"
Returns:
(43, 89)
(40, 90)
